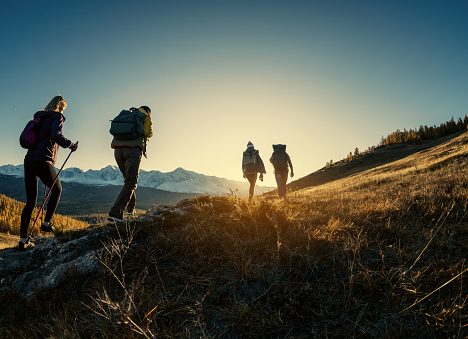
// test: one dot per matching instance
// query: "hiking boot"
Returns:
(113, 219)
(48, 227)
(25, 244)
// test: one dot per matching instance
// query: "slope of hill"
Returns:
(10, 217)
(78, 199)
(379, 156)
(179, 180)
(381, 253)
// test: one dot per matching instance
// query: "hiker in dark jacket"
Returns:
(39, 163)
(280, 160)
(251, 165)
(128, 154)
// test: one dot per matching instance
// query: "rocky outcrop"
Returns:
(54, 260)
(51, 262)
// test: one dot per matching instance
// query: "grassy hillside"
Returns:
(381, 253)
(10, 217)
(377, 157)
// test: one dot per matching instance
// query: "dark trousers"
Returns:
(281, 180)
(252, 178)
(128, 159)
(46, 172)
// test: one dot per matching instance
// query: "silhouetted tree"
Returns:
(412, 136)
(425, 132)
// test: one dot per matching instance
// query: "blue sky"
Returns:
(320, 76)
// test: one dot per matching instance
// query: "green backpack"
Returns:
(128, 125)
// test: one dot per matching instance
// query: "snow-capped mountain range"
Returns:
(179, 180)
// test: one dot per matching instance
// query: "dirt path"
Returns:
(8, 241)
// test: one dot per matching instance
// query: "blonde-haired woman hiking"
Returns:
(39, 163)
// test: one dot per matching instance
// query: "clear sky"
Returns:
(320, 76)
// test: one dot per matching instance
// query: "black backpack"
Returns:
(249, 161)
(280, 158)
(128, 125)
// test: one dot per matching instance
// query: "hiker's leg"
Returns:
(119, 155)
(252, 178)
(279, 181)
(121, 160)
(47, 174)
(285, 181)
(30, 185)
(132, 202)
(132, 167)
(281, 185)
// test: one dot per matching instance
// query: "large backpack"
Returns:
(249, 161)
(280, 158)
(31, 134)
(128, 125)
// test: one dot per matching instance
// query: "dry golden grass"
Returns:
(380, 254)
(10, 217)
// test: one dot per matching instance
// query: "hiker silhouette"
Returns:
(131, 130)
(44, 136)
(281, 160)
(252, 164)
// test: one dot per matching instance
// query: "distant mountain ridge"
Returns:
(79, 199)
(179, 180)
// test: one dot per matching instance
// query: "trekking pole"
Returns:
(43, 201)
(41, 209)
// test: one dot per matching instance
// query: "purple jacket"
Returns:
(51, 134)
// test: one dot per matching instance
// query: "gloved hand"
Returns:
(261, 177)
(73, 146)
(292, 174)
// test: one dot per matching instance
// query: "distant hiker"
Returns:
(39, 163)
(251, 165)
(131, 129)
(280, 160)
